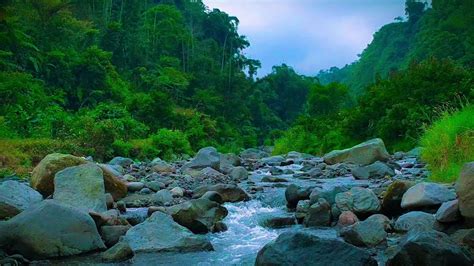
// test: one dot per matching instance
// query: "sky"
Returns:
(309, 35)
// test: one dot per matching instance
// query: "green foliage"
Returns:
(448, 144)
(325, 100)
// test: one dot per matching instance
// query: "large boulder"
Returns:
(160, 166)
(425, 195)
(465, 192)
(16, 197)
(376, 170)
(206, 157)
(239, 173)
(229, 193)
(42, 177)
(414, 219)
(370, 232)
(365, 153)
(111, 233)
(428, 247)
(294, 193)
(160, 233)
(113, 182)
(228, 162)
(358, 200)
(327, 192)
(448, 212)
(119, 252)
(319, 214)
(297, 248)
(198, 215)
(253, 154)
(50, 229)
(122, 161)
(392, 199)
(81, 187)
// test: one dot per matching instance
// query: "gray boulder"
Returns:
(319, 214)
(229, 193)
(297, 248)
(253, 154)
(228, 162)
(376, 170)
(465, 192)
(426, 195)
(50, 229)
(448, 212)
(327, 192)
(111, 233)
(392, 199)
(122, 161)
(16, 197)
(414, 219)
(239, 173)
(365, 153)
(358, 200)
(160, 233)
(294, 193)
(135, 186)
(160, 166)
(162, 197)
(370, 232)
(81, 187)
(273, 160)
(206, 157)
(119, 252)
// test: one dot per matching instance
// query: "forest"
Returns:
(165, 78)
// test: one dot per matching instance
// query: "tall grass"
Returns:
(449, 143)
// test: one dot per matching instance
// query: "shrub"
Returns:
(449, 143)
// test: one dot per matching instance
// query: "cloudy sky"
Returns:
(309, 35)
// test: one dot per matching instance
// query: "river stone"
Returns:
(16, 197)
(302, 210)
(392, 199)
(368, 233)
(228, 162)
(273, 179)
(465, 192)
(42, 177)
(160, 233)
(239, 173)
(122, 161)
(229, 193)
(50, 229)
(119, 252)
(365, 153)
(273, 160)
(319, 214)
(135, 186)
(111, 233)
(421, 247)
(358, 200)
(376, 170)
(206, 157)
(448, 212)
(81, 187)
(113, 183)
(213, 196)
(160, 166)
(162, 197)
(426, 195)
(177, 192)
(414, 219)
(253, 154)
(347, 218)
(294, 193)
(278, 222)
(327, 192)
(155, 185)
(297, 248)
(198, 215)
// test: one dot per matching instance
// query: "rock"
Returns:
(273, 179)
(81, 187)
(160, 166)
(358, 200)
(109, 201)
(253, 154)
(121, 206)
(135, 186)
(145, 191)
(228, 162)
(414, 219)
(302, 210)
(111, 233)
(113, 182)
(365, 153)
(177, 192)
(293, 194)
(415, 152)
(391, 203)
(273, 160)
(16, 197)
(50, 229)
(123, 162)
(319, 214)
(198, 215)
(368, 233)
(229, 193)
(464, 237)
(219, 227)
(297, 248)
(430, 247)
(119, 252)
(465, 192)
(278, 222)
(153, 209)
(347, 218)
(448, 212)
(382, 220)
(239, 173)
(42, 177)
(110, 217)
(376, 170)
(163, 197)
(155, 185)
(425, 195)
(213, 196)
(206, 157)
(160, 233)
(326, 192)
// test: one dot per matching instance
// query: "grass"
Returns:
(448, 144)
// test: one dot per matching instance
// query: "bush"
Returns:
(448, 144)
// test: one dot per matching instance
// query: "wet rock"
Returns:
(154, 209)
(273, 160)
(297, 248)
(219, 227)
(368, 233)
(414, 219)
(206, 157)
(213, 196)
(145, 191)
(50, 229)
(163, 197)
(273, 179)
(198, 215)
(376, 170)
(391, 203)
(228, 162)
(113, 182)
(229, 193)
(465, 192)
(278, 222)
(365, 153)
(135, 186)
(16, 197)
(347, 218)
(327, 192)
(302, 210)
(448, 212)
(425, 195)
(430, 247)
(81, 187)
(119, 252)
(149, 236)
(239, 173)
(122, 161)
(177, 192)
(111, 233)
(358, 200)
(42, 177)
(319, 214)
(293, 194)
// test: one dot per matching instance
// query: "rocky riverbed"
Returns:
(359, 206)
